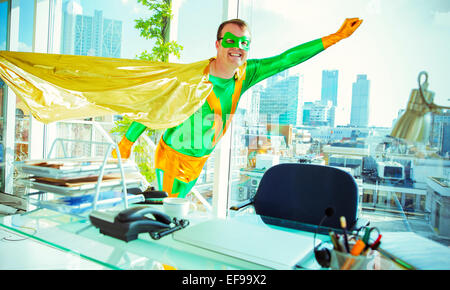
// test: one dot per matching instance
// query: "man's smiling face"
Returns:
(232, 56)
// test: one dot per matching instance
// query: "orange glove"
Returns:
(124, 148)
(347, 29)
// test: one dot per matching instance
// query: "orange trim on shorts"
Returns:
(181, 166)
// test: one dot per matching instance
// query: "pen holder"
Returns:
(346, 261)
(373, 261)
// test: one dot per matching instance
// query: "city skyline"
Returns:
(281, 94)
(377, 49)
(381, 47)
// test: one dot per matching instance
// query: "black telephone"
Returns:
(127, 224)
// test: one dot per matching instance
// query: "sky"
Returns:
(396, 41)
(3, 24)
(25, 22)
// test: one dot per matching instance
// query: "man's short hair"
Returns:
(241, 23)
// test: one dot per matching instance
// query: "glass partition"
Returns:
(95, 28)
(197, 35)
(75, 235)
(107, 29)
(20, 15)
(338, 108)
(3, 45)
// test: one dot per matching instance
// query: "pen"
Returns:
(344, 226)
(396, 260)
(358, 248)
(334, 241)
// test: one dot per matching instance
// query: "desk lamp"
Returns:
(415, 123)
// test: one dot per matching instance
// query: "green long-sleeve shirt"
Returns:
(194, 137)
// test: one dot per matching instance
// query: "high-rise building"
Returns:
(439, 122)
(360, 102)
(254, 104)
(70, 10)
(306, 117)
(279, 100)
(330, 92)
(300, 101)
(90, 35)
(445, 141)
(317, 113)
(329, 86)
(112, 38)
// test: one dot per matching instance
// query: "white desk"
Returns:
(61, 231)
(19, 252)
(54, 241)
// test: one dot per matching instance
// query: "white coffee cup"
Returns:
(177, 207)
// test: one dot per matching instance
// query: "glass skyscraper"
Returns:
(90, 35)
(360, 102)
(279, 100)
(329, 86)
(329, 93)
(317, 113)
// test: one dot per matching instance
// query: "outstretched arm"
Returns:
(266, 67)
(134, 131)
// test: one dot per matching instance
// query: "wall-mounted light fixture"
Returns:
(415, 123)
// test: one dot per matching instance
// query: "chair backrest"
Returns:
(303, 192)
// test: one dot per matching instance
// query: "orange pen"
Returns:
(358, 248)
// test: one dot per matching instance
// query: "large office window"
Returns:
(23, 119)
(3, 45)
(95, 28)
(197, 35)
(15, 121)
(101, 28)
(338, 108)
(23, 124)
(107, 29)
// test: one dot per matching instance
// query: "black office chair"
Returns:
(304, 195)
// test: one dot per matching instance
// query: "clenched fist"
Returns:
(347, 29)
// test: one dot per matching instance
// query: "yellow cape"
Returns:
(56, 87)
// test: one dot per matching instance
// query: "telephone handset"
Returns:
(139, 212)
(128, 223)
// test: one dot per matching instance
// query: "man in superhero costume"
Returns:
(183, 150)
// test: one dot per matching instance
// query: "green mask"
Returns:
(231, 40)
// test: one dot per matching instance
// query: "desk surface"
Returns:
(18, 252)
(75, 235)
